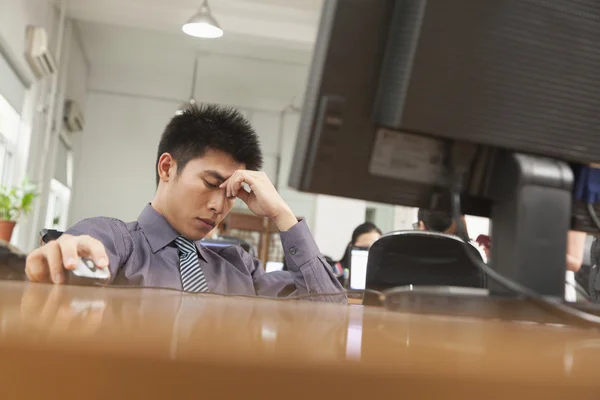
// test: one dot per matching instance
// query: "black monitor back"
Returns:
(423, 259)
(393, 80)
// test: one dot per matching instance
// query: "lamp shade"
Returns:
(203, 24)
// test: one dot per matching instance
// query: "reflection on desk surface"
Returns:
(239, 346)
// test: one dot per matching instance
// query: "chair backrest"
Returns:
(422, 258)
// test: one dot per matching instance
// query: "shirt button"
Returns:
(293, 251)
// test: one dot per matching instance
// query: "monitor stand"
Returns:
(530, 219)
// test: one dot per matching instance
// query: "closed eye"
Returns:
(210, 185)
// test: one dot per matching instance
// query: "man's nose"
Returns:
(217, 202)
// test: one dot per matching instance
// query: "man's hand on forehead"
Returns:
(262, 199)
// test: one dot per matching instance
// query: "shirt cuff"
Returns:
(299, 245)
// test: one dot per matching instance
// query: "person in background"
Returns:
(485, 242)
(363, 236)
(437, 221)
(575, 250)
(442, 222)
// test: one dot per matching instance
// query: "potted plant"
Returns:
(15, 201)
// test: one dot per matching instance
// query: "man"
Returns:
(436, 221)
(205, 157)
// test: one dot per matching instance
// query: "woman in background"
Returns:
(363, 236)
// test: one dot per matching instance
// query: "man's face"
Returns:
(196, 204)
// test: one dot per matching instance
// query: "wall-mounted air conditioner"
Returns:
(37, 53)
(73, 117)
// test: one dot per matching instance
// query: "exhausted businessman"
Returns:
(204, 157)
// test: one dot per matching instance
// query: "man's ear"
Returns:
(421, 226)
(167, 167)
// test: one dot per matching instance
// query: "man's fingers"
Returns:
(87, 246)
(48, 263)
(55, 262)
(36, 267)
(234, 183)
(68, 249)
(245, 196)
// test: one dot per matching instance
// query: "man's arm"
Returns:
(308, 272)
(575, 250)
(104, 240)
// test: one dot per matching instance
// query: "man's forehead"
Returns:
(218, 166)
(216, 174)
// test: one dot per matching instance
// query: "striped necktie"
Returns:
(192, 277)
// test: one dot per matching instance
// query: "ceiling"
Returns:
(278, 30)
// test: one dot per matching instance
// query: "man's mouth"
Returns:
(209, 222)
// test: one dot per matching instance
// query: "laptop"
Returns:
(358, 268)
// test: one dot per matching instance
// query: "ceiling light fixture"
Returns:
(203, 24)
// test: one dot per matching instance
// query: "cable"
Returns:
(567, 312)
(593, 215)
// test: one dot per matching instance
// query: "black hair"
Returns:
(366, 227)
(210, 127)
(436, 221)
(363, 228)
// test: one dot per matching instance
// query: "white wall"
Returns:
(114, 174)
(385, 216)
(335, 220)
(404, 218)
(477, 226)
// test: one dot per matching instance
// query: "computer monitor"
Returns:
(395, 85)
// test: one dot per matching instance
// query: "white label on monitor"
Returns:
(358, 269)
(407, 156)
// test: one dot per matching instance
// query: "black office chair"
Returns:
(422, 258)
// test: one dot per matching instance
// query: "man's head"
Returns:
(198, 151)
(436, 221)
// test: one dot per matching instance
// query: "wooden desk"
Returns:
(97, 343)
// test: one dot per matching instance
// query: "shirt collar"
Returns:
(158, 230)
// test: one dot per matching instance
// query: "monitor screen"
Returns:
(358, 269)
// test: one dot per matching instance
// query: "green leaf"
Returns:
(17, 200)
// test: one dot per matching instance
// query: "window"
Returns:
(60, 187)
(9, 128)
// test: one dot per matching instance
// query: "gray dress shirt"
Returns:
(143, 253)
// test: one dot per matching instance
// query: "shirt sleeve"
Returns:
(113, 234)
(308, 272)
